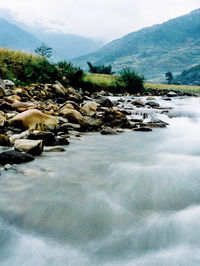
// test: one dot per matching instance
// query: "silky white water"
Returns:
(128, 199)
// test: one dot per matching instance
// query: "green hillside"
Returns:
(190, 76)
(171, 46)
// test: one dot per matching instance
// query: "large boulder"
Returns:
(89, 108)
(15, 157)
(34, 147)
(105, 102)
(29, 118)
(114, 118)
(73, 116)
(47, 137)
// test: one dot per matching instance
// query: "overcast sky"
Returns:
(99, 19)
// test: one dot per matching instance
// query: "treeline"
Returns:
(25, 68)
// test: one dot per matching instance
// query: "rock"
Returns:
(89, 108)
(20, 106)
(2, 88)
(8, 83)
(61, 141)
(150, 98)
(34, 147)
(155, 124)
(105, 102)
(59, 89)
(29, 118)
(166, 99)
(138, 102)
(54, 149)
(143, 128)
(108, 131)
(93, 123)
(4, 140)
(172, 94)
(73, 116)
(114, 118)
(136, 120)
(15, 157)
(2, 120)
(40, 127)
(47, 137)
(13, 98)
(23, 135)
(153, 104)
(68, 126)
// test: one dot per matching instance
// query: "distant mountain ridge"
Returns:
(65, 46)
(170, 46)
(15, 38)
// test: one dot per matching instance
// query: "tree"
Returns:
(169, 77)
(44, 50)
(100, 69)
(133, 81)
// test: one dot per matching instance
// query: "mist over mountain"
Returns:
(170, 46)
(16, 35)
(15, 38)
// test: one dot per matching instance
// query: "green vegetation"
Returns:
(181, 88)
(190, 76)
(132, 80)
(72, 75)
(100, 69)
(26, 68)
(44, 50)
(169, 77)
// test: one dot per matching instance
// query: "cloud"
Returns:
(100, 19)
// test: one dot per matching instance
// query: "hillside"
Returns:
(17, 35)
(14, 37)
(66, 46)
(190, 76)
(171, 46)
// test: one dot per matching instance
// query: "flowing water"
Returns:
(128, 199)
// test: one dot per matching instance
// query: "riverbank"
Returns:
(45, 116)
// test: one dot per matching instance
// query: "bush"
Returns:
(73, 75)
(133, 81)
(26, 68)
(100, 69)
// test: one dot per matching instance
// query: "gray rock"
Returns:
(172, 94)
(15, 157)
(143, 129)
(33, 147)
(108, 131)
(152, 104)
(54, 149)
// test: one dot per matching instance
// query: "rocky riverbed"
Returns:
(48, 115)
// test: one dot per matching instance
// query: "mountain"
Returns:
(66, 46)
(16, 35)
(153, 51)
(15, 38)
(190, 76)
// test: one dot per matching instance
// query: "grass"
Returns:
(25, 68)
(181, 88)
(106, 81)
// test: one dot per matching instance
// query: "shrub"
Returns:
(25, 68)
(73, 75)
(100, 69)
(133, 81)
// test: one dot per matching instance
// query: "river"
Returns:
(126, 199)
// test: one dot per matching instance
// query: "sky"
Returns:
(98, 19)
